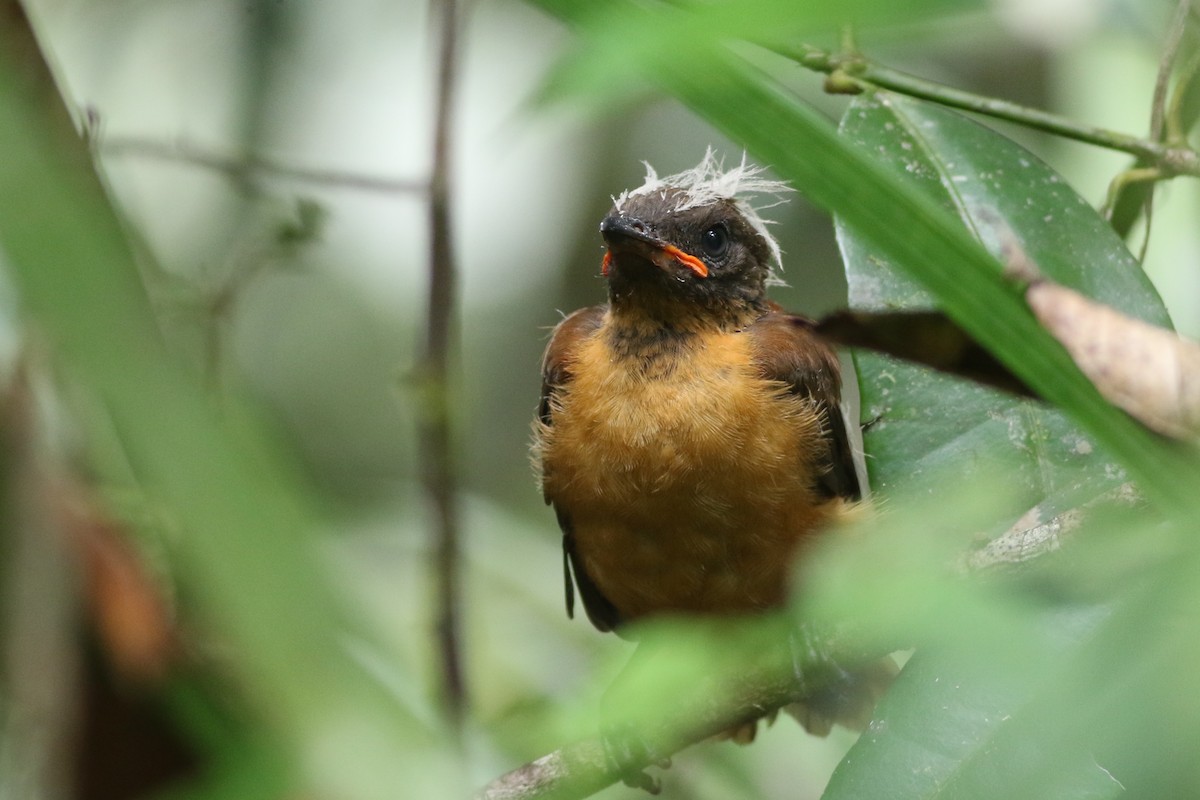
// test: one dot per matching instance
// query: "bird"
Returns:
(689, 434)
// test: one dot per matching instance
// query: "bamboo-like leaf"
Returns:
(619, 40)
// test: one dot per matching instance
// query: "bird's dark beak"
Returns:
(628, 235)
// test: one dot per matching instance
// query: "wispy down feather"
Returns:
(708, 182)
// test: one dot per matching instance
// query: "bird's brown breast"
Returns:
(686, 475)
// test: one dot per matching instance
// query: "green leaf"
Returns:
(1068, 702)
(927, 426)
(934, 733)
(996, 188)
(1013, 692)
(954, 725)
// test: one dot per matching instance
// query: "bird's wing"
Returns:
(556, 375)
(787, 350)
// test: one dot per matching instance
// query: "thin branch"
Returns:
(436, 446)
(855, 73)
(243, 168)
(585, 767)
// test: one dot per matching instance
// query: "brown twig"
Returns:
(434, 372)
(242, 168)
(583, 768)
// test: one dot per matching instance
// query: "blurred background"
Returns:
(308, 295)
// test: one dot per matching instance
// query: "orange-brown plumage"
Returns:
(688, 474)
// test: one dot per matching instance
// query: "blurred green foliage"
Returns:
(280, 506)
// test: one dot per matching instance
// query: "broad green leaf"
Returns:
(1127, 698)
(996, 188)
(926, 426)
(945, 719)
(933, 734)
(932, 245)
(1022, 694)
(1012, 692)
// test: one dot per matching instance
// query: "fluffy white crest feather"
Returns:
(709, 182)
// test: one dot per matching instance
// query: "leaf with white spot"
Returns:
(925, 426)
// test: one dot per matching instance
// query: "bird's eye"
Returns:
(715, 240)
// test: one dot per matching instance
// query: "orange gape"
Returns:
(689, 435)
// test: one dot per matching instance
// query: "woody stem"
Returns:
(855, 73)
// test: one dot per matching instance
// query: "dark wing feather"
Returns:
(599, 610)
(787, 350)
(923, 337)
(556, 362)
(556, 374)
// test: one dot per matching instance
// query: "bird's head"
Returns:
(690, 247)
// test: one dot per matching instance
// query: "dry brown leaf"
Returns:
(1151, 373)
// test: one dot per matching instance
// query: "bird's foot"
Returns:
(833, 693)
(812, 660)
(624, 748)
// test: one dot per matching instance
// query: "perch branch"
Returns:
(585, 767)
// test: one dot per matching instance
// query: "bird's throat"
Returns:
(654, 315)
(649, 339)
